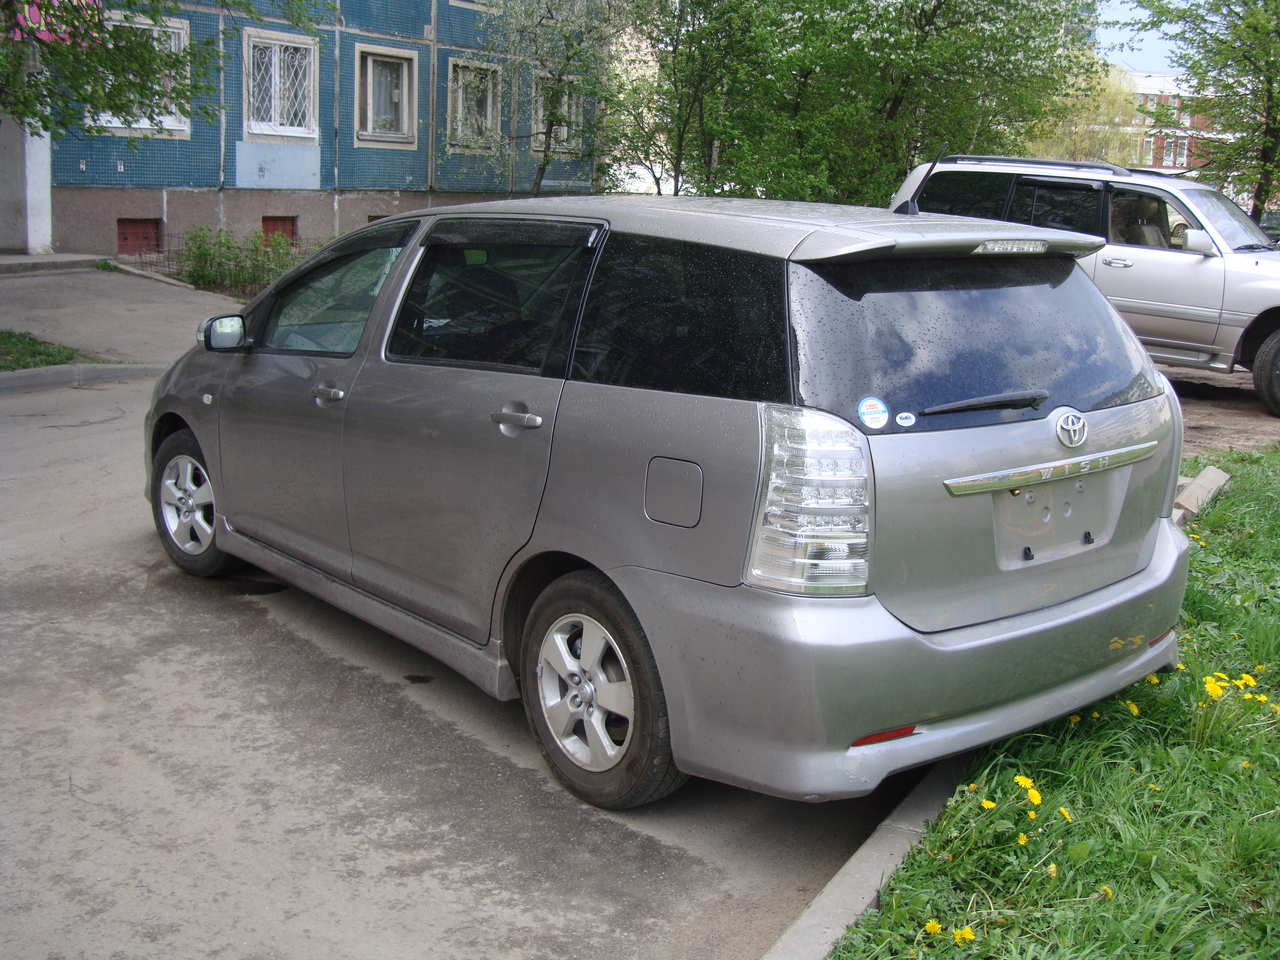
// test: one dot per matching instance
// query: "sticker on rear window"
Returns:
(905, 419)
(873, 413)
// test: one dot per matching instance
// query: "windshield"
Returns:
(882, 342)
(1229, 220)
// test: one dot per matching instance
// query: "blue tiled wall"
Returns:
(367, 165)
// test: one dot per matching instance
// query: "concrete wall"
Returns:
(26, 215)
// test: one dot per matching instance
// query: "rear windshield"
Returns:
(880, 342)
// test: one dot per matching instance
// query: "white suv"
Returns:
(1196, 279)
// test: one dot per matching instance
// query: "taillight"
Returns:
(812, 532)
(1175, 466)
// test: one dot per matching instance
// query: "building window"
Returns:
(1148, 152)
(1168, 152)
(288, 226)
(1181, 158)
(566, 135)
(137, 236)
(385, 108)
(473, 105)
(173, 34)
(281, 87)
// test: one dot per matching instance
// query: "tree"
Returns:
(1228, 52)
(68, 64)
(1101, 122)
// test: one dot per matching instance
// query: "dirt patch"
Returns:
(1222, 411)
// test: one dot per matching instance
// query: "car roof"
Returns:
(1078, 169)
(790, 229)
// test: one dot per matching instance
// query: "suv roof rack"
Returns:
(1078, 164)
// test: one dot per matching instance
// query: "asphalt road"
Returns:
(233, 769)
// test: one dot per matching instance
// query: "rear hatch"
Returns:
(1020, 440)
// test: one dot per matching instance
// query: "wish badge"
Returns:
(873, 413)
(905, 419)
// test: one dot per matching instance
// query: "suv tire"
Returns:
(1266, 373)
(593, 697)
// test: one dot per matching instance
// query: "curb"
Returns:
(149, 275)
(854, 887)
(41, 264)
(73, 375)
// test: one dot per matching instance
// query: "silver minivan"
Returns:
(791, 496)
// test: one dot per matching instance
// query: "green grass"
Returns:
(1172, 849)
(20, 351)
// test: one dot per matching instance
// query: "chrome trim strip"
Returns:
(1048, 472)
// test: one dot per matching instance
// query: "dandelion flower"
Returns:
(1107, 892)
(988, 804)
(1031, 814)
(1095, 715)
(1065, 814)
(1052, 870)
(1074, 718)
(1248, 679)
(1176, 666)
(1133, 707)
(1033, 795)
(1213, 688)
(973, 787)
(933, 926)
(1154, 786)
(1260, 697)
(1219, 674)
(963, 934)
(1026, 783)
(1244, 764)
(1152, 678)
(1022, 839)
(1248, 696)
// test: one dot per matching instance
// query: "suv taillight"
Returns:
(812, 532)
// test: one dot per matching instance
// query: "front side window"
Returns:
(496, 293)
(281, 86)
(685, 318)
(560, 105)
(967, 194)
(1063, 205)
(473, 105)
(326, 309)
(385, 96)
(1142, 219)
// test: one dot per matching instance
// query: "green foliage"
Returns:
(108, 266)
(1229, 55)
(21, 351)
(84, 63)
(1098, 123)
(1157, 831)
(215, 260)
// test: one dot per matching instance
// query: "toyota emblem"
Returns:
(1072, 429)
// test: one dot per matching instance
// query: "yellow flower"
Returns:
(1152, 678)
(1095, 714)
(1022, 839)
(1074, 718)
(973, 787)
(1274, 706)
(1176, 666)
(1031, 814)
(1052, 870)
(933, 926)
(1258, 668)
(1248, 696)
(963, 934)
(1244, 764)
(1133, 707)
(1213, 688)
(1248, 679)
(988, 804)
(1154, 786)
(1223, 676)
(1026, 783)
(1260, 697)
(1033, 795)
(1065, 815)
(1238, 684)
(1107, 891)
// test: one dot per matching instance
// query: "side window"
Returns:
(1147, 220)
(494, 292)
(1058, 204)
(325, 310)
(967, 194)
(685, 318)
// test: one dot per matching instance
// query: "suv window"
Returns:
(494, 292)
(685, 318)
(914, 334)
(967, 194)
(1147, 220)
(325, 310)
(1061, 204)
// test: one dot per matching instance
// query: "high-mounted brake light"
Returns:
(884, 735)
(812, 532)
(1011, 246)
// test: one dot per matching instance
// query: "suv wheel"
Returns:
(593, 697)
(1266, 373)
(183, 507)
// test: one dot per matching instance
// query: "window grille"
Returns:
(281, 88)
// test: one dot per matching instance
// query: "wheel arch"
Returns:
(166, 425)
(534, 575)
(1261, 327)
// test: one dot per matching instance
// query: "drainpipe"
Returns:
(337, 108)
(222, 123)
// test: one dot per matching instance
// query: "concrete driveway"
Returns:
(231, 768)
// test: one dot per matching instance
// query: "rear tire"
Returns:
(593, 697)
(1266, 373)
(182, 506)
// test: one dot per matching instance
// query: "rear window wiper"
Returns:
(1015, 400)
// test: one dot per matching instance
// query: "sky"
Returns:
(1151, 54)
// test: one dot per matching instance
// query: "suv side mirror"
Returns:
(225, 333)
(1198, 241)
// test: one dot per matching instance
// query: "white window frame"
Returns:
(365, 55)
(1148, 157)
(171, 123)
(254, 38)
(1168, 152)
(486, 144)
(1180, 156)
(564, 138)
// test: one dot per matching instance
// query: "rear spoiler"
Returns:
(940, 236)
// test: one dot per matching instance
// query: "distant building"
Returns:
(391, 105)
(1166, 149)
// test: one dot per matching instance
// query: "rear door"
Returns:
(449, 428)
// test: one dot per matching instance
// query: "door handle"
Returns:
(1117, 262)
(509, 418)
(331, 394)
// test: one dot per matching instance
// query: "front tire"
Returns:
(182, 505)
(593, 697)
(1266, 373)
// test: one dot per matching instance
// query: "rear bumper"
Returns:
(767, 691)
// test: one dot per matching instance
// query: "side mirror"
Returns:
(224, 333)
(1198, 241)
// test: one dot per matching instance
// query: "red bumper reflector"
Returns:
(884, 735)
(1162, 636)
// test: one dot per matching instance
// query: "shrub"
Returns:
(215, 260)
